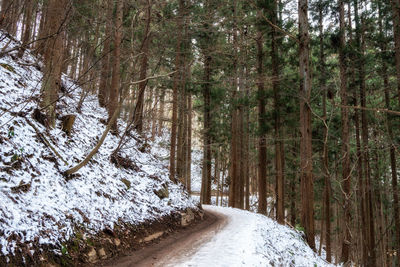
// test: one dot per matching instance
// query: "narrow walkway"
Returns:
(229, 237)
(175, 248)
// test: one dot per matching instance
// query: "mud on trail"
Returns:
(173, 249)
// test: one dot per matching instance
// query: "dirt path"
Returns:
(176, 247)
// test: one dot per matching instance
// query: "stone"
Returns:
(163, 192)
(102, 253)
(92, 256)
(152, 237)
(201, 213)
(190, 214)
(68, 123)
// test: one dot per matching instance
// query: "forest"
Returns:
(295, 105)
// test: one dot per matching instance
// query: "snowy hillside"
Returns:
(161, 150)
(251, 239)
(41, 208)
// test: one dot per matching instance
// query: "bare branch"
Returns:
(152, 77)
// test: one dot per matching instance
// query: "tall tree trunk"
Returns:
(75, 59)
(7, 15)
(234, 187)
(361, 185)
(241, 135)
(6, 6)
(395, 192)
(279, 150)
(307, 187)
(180, 158)
(43, 30)
(161, 113)
(206, 182)
(138, 115)
(346, 178)
(293, 200)
(370, 259)
(233, 154)
(26, 37)
(359, 161)
(104, 90)
(189, 145)
(325, 159)
(15, 16)
(246, 141)
(396, 30)
(184, 140)
(262, 146)
(177, 76)
(115, 79)
(182, 111)
(53, 58)
(155, 113)
(217, 172)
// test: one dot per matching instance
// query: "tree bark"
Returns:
(115, 80)
(189, 145)
(138, 115)
(53, 57)
(28, 9)
(395, 190)
(206, 182)
(161, 113)
(105, 62)
(177, 76)
(346, 178)
(279, 149)
(370, 238)
(396, 31)
(182, 110)
(43, 31)
(325, 159)
(6, 15)
(307, 188)
(262, 146)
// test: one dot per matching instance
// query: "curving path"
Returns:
(228, 237)
(177, 247)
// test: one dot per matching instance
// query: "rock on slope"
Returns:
(40, 210)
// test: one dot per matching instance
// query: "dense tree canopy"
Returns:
(294, 102)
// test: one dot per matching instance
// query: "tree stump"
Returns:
(68, 123)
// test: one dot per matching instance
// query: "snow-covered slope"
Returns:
(196, 169)
(251, 239)
(38, 205)
(161, 150)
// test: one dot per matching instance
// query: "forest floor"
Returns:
(227, 237)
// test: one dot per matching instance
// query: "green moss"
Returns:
(126, 182)
(163, 192)
(7, 67)
(90, 242)
(78, 235)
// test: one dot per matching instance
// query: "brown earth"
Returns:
(86, 250)
(175, 247)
